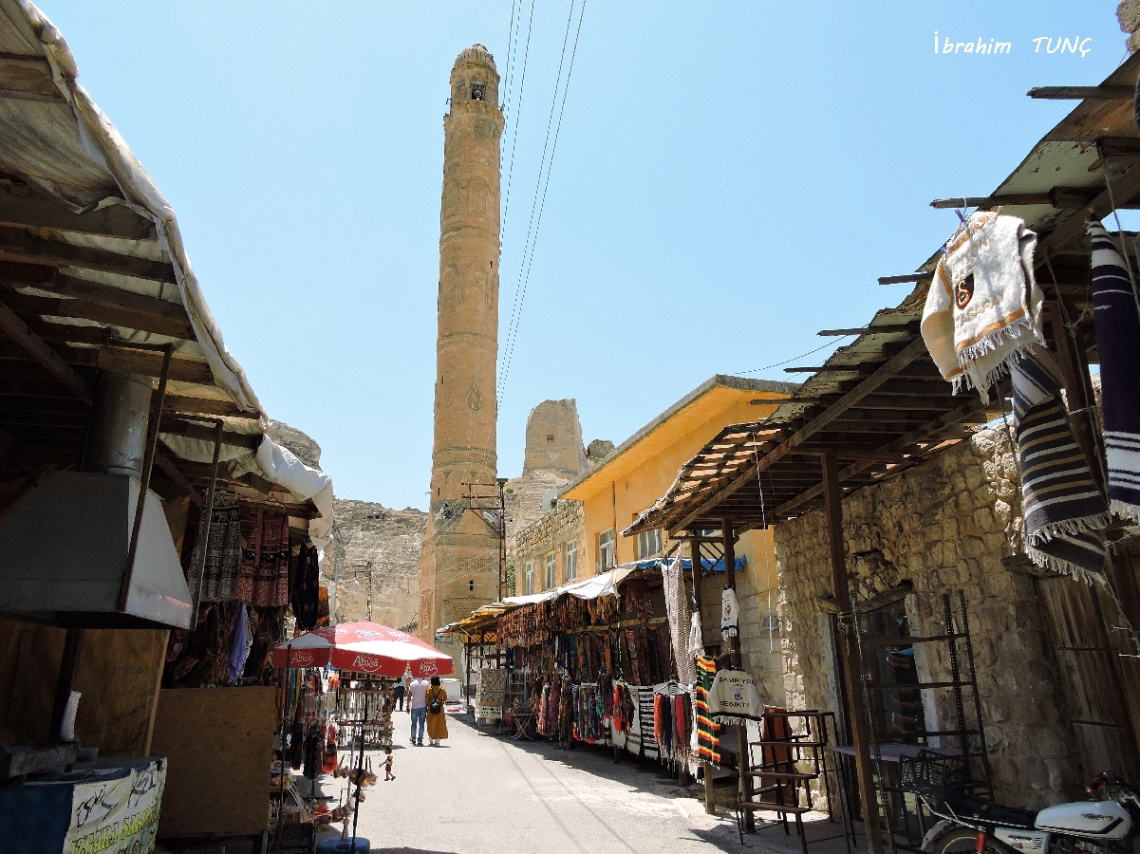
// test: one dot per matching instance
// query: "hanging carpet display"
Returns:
(1116, 310)
(1062, 505)
(264, 577)
(984, 306)
(223, 552)
(307, 588)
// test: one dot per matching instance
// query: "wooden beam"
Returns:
(888, 370)
(906, 279)
(83, 309)
(885, 329)
(27, 78)
(17, 245)
(20, 206)
(1081, 93)
(207, 406)
(1124, 190)
(931, 430)
(179, 427)
(1062, 198)
(150, 365)
(171, 471)
(857, 712)
(70, 286)
(35, 346)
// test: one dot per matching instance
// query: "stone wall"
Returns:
(390, 540)
(943, 526)
(565, 523)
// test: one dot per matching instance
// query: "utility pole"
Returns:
(496, 504)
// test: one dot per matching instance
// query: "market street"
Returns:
(485, 794)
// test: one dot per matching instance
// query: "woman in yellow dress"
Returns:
(436, 721)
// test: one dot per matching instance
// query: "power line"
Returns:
(535, 224)
(795, 358)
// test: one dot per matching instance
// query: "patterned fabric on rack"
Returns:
(708, 730)
(223, 552)
(679, 616)
(645, 720)
(264, 577)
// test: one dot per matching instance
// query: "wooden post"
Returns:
(706, 766)
(744, 782)
(857, 715)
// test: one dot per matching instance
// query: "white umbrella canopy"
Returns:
(365, 647)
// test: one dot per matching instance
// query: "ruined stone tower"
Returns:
(459, 566)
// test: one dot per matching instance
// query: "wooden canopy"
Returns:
(879, 405)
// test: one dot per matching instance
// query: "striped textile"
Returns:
(645, 720)
(1060, 501)
(708, 730)
(1116, 309)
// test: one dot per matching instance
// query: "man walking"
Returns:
(417, 703)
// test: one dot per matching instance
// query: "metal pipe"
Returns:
(148, 466)
(207, 518)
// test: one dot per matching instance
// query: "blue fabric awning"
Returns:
(686, 563)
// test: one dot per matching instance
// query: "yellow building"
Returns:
(645, 465)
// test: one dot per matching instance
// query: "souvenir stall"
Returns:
(591, 662)
(370, 658)
(256, 577)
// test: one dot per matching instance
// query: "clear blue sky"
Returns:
(730, 178)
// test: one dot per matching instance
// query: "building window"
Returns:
(550, 562)
(606, 550)
(569, 561)
(529, 578)
(648, 543)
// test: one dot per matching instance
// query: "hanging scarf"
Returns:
(1117, 314)
(696, 637)
(708, 730)
(983, 307)
(1062, 506)
(729, 613)
(242, 643)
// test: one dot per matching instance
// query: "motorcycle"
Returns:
(1107, 823)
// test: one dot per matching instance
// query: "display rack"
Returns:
(887, 659)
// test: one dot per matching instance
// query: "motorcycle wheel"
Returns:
(962, 840)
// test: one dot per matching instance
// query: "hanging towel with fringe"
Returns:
(984, 306)
(1116, 310)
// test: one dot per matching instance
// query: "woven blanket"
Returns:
(680, 618)
(1060, 501)
(983, 307)
(729, 613)
(708, 730)
(1117, 315)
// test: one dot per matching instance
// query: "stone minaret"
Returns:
(459, 565)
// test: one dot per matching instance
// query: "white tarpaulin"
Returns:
(70, 150)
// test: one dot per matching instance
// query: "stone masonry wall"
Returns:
(566, 522)
(944, 526)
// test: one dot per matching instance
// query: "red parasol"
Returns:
(365, 647)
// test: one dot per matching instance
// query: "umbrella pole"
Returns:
(356, 796)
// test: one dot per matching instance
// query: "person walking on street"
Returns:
(398, 695)
(417, 701)
(436, 712)
(388, 775)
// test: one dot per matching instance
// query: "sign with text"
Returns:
(117, 815)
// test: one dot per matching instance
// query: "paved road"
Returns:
(480, 793)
